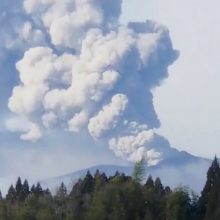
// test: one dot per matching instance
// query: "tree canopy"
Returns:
(117, 197)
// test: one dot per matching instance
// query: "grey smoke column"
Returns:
(86, 71)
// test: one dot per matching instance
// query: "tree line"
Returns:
(118, 197)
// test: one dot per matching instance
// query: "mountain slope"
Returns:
(181, 168)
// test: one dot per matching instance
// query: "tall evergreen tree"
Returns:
(18, 189)
(11, 195)
(100, 180)
(139, 171)
(87, 184)
(37, 191)
(158, 187)
(149, 183)
(47, 193)
(61, 193)
(210, 193)
(76, 189)
(25, 190)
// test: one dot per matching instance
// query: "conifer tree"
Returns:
(167, 190)
(47, 193)
(11, 195)
(76, 189)
(100, 180)
(87, 184)
(139, 171)
(210, 194)
(33, 189)
(38, 191)
(25, 190)
(18, 189)
(149, 183)
(158, 187)
(61, 192)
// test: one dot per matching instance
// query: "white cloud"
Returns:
(17, 124)
(18, 32)
(27, 99)
(36, 66)
(49, 119)
(34, 133)
(31, 36)
(41, 65)
(135, 147)
(152, 157)
(39, 70)
(68, 21)
(78, 122)
(94, 75)
(134, 127)
(109, 117)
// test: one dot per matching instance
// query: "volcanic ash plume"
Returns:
(87, 72)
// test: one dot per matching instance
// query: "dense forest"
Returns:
(117, 197)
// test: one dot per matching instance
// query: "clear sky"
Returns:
(73, 94)
(188, 101)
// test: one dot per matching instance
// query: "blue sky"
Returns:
(184, 108)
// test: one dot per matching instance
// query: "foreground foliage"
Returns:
(118, 197)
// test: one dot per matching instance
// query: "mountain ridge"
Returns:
(180, 169)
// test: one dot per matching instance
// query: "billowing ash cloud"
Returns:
(84, 71)
(18, 31)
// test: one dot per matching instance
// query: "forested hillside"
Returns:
(118, 197)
